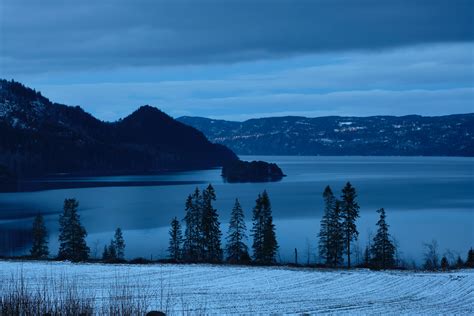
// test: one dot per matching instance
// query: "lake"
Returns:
(425, 198)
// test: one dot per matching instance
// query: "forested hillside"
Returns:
(38, 137)
(413, 135)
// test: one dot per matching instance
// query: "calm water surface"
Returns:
(425, 198)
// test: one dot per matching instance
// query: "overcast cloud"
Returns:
(241, 59)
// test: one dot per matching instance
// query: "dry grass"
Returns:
(48, 295)
(19, 298)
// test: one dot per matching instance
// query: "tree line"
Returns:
(339, 230)
(201, 240)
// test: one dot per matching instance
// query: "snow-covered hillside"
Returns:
(212, 289)
(413, 135)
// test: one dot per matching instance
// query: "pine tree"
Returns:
(470, 259)
(350, 213)
(105, 253)
(383, 250)
(367, 257)
(444, 263)
(330, 235)
(39, 249)
(192, 247)
(211, 232)
(176, 240)
(72, 243)
(119, 244)
(263, 231)
(112, 251)
(257, 230)
(459, 263)
(324, 234)
(237, 250)
(336, 236)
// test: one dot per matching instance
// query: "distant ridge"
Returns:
(411, 135)
(39, 137)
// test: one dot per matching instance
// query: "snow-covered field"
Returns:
(209, 289)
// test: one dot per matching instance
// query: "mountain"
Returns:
(40, 137)
(413, 135)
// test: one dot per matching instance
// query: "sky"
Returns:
(243, 59)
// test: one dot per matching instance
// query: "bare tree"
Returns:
(357, 253)
(431, 255)
(398, 253)
(95, 248)
(308, 251)
(450, 256)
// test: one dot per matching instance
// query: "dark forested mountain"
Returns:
(413, 135)
(39, 137)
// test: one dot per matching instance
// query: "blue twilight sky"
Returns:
(242, 59)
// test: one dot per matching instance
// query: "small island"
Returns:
(254, 171)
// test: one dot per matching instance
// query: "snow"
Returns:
(6, 108)
(345, 123)
(265, 290)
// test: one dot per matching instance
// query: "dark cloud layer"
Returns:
(41, 36)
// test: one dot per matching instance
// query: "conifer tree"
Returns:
(105, 253)
(270, 245)
(470, 259)
(39, 249)
(257, 230)
(336, 236)
(263, 231)
(112, 251)
(237, 250)
(119, 244)
(383, 250)
(366, 256)
(324, 234)
(459, 263)
(350, 213)
(330, 235)
(72, 243)
(192, 247)
(210, 226)
(176, 240)
(444, 263)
